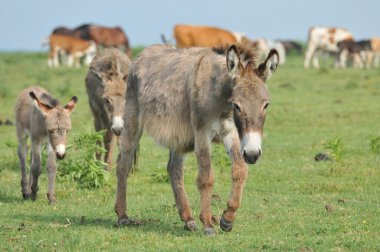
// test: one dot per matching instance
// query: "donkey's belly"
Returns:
(171, 133)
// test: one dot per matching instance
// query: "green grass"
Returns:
(284, 201)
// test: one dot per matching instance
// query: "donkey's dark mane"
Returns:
(52, 102)
(247, 54)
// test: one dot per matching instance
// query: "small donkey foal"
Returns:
(41, 117)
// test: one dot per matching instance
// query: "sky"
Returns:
(24, 23)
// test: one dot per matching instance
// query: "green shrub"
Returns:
(160, 176)
(334, 147)
(374, 145)
(83, 167)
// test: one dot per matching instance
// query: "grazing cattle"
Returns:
(263, 46)
(185, 99)
(291, 46)
(106, 86)
(324, 39)
(204, 36)
(359, 52)
(40, 117)
(110, 37)
(80, 32)
(74, 48)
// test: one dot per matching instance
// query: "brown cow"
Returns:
(75, 48)
(204, 36)
(78, 32)
(110, 37)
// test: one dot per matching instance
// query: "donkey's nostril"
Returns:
(250, 157)
(60, 156)
(116, 131)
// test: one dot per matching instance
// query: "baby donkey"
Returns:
(41, 117)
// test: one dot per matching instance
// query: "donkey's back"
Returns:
(166, 83)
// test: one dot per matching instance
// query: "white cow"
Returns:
(324, 39)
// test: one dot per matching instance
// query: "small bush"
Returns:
(374, 145)
(84, 168)
(335, 148)
(160, 176)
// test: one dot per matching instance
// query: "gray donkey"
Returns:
(41, 117)
(187, 98)
(106, 86)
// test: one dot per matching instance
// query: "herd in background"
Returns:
(72, 46)
(340, 43)
(69, 46)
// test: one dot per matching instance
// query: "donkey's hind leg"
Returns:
(205, 179)
(35, 169)
(22, 152)
(51, 170)
(175, 171)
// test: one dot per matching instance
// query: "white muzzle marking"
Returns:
(117, 122)
(251, 143)
(61, 149)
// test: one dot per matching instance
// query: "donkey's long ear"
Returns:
(233, 61)
(69, 107)
(43, 107)
(269, 66)
(99, 74)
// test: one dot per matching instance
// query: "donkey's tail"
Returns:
(165, 40)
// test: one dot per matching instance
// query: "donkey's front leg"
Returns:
(35, 169)
(109, 146)
(129, 142)
(205, 179)
(51, 169)
(175, 171)
(239, 174)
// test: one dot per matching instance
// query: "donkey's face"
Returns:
(114, 99)
(250, 100)
(57, 122)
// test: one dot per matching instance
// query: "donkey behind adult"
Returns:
(41, 117)
(187, 98)
(106, 86)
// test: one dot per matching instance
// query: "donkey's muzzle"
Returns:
(116, 131)
(250, 157)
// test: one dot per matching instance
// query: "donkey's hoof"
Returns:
(52, 202)
(209, 231)
(26, 196)
(123, 222)
(225, 225)
(52, 199)
(33, 196)
(190, 226)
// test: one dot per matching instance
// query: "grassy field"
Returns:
(284, 202)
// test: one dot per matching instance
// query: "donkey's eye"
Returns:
(236, 107)
(51, 131)
(266, 106)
